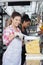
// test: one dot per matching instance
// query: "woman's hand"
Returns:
(11, 36)
(40, 32)
(19, 34)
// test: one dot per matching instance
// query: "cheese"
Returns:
(33, 47)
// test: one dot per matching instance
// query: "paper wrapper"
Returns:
(32, 62)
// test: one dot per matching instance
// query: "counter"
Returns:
(34, 59)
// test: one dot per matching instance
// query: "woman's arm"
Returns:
(7, 36)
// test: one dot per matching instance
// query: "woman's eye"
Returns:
(16, 19)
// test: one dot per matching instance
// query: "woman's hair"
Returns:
(25, 18)
(14, 14)
(8, 22)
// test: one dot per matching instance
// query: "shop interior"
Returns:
(34, 41)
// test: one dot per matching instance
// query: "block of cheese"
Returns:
(32, 47)
(32, 62)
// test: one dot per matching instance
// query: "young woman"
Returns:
(12, 55)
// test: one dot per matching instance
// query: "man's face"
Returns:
(26, 24)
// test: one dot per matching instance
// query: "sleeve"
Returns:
(6, 40)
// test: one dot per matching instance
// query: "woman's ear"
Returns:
(11, 19)
(24, 22)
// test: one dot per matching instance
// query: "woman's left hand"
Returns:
(19, 34)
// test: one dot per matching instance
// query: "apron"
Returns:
(12, 55)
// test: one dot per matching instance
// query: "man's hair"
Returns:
(25, 18)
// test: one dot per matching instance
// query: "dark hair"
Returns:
(14, 14)
(25, 18)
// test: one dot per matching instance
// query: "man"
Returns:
(24, 24)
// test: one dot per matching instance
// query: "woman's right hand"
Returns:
(19, 34)
(11, 36)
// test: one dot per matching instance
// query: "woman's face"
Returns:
(16, 21)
